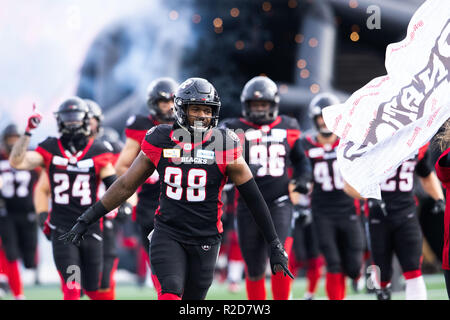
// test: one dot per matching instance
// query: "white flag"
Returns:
(390, 118)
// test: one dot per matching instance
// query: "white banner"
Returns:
(390, 118)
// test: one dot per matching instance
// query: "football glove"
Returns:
(42, 217)
(278, 258)
(380, 204)
(303, 215)
(302, 185)
(33, 121)
(76, 234)
(439, 207)
(124, 211)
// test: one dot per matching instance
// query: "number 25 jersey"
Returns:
(192, 176)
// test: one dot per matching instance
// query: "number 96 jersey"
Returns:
(192, 176)
(74, 179)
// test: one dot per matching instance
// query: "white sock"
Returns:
(235, 271)
(416, 289)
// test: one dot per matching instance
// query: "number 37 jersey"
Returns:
(74, 180)
(192, 176)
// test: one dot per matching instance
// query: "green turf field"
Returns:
(435, 285)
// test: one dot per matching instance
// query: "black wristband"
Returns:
(27, 133)
(94, 213)
(254, 200)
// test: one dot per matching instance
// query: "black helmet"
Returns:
(320, 101)
(73, 116)
(10, 130)
(262, 89)
(200, 92)
(161, 89)
(94, 110)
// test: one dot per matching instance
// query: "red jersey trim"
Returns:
(257, 126)
(46, 155)
(443, 173)
(137, 135)
(423, 150)
(102, 161)
(152, 152)
(219, 224)
(223, 158)
(292, 136)
(193, 145)
(85, 150)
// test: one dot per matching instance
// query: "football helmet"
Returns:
(73, 116)
(316, 106)
(260, 89)
(161, 89)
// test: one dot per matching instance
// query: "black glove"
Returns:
(42, 217)
(439, 207)
(302, 185)
(278, 258)
(254, 168)
(303, 214)
(124, 211)
(380, 204)
(76, 234)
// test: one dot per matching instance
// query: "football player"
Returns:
(442, 167)
(338, 226)
(18, 227)
(194, 160)
(394, 225)
(271, 144)
(160, 103)
(75, 163)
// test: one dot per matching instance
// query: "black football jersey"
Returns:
(74, 179)
(17, 189)
(271, 149)
(137, 127)
(192, 178)
(398, 189)
(328, 197)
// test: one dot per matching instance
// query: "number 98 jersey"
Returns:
(192, 176)
(74, 179)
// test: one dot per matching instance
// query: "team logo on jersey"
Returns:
(171, 153)
(316, 153)
(205, 154)
(60, 161)
(206, 247)
(187, 147)
(253, 135)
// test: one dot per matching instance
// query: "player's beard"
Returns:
(74, 142)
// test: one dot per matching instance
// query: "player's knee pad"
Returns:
(171, 284)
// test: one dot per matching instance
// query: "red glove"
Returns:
(34, 120)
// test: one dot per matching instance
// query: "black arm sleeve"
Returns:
(445, 161)
(109, 180)
(258, 207)
(423, 167)
(300, 163)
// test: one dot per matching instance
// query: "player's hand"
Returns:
(125, 210)
(279, 258)
(380, 204)
(304, 215)
(439, 207)
(76, 234)
(42, 217)
(302, 185)
(34, 120)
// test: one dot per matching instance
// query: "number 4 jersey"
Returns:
(74, 179)
(192, 176)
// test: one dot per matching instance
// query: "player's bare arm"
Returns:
(21, 158)
(129, 152)
(348, 189)
(239, 172)
(117, 193)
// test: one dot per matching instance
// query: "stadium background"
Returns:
(110, 51)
